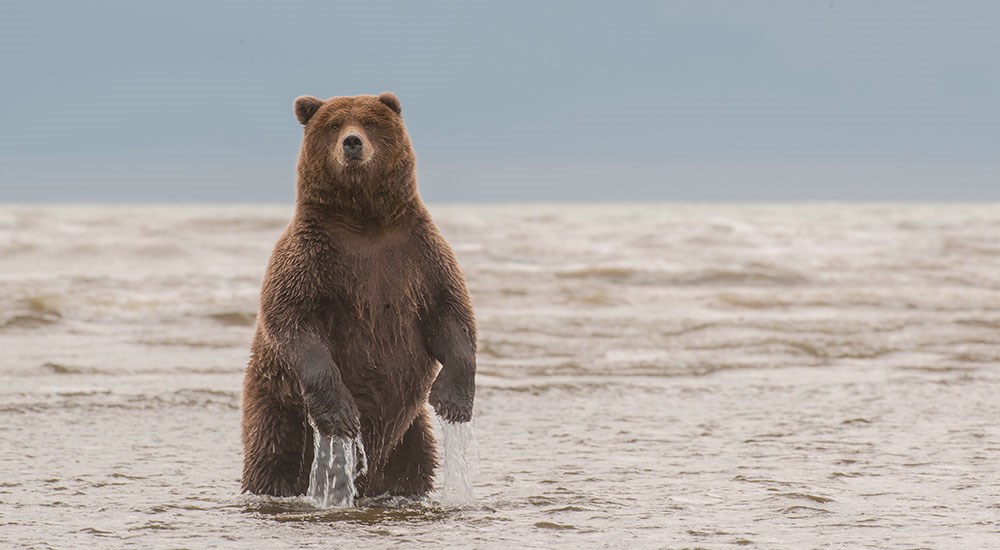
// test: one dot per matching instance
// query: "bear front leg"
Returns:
(330, 406)
(452, 343)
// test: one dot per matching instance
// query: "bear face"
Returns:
(351, 140)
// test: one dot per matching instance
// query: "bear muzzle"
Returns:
(353, 147)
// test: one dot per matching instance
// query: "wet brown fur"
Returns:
(361, 300)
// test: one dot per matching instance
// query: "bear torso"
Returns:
(371, 292)
(376, 305)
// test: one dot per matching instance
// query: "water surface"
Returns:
(651, 376)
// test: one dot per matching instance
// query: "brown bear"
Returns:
(362, 300)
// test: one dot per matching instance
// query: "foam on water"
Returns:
(336, 462)
(459, 451)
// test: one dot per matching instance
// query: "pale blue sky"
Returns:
(699, 100)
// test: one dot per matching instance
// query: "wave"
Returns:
(234, 318)
(33, 312)
(754, 274)
(915, 298)
(98, 398)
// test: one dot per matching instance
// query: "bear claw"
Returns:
(451, 410)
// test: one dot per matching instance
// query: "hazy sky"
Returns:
(699, 100)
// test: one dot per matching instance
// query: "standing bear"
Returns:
(362, 300)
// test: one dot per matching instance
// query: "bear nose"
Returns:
(352, 144)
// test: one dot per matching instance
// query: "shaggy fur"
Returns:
(361, 301)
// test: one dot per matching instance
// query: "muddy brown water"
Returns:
(651, 376)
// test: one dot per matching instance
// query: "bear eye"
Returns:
(369, 125)
(335, 126)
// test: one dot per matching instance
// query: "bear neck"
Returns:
(366, 203)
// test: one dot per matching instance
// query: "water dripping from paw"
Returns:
(459, 464)
(337, 461)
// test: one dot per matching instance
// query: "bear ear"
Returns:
(390, 100)
(305, 107)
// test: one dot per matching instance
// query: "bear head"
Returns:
(353, 144)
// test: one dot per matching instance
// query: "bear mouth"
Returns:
(354, 166)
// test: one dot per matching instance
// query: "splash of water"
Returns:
(460, 449)
(337, 460)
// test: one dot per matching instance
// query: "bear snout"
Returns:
(353, 147)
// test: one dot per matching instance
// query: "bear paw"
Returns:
(343, 421)
(450, 403)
